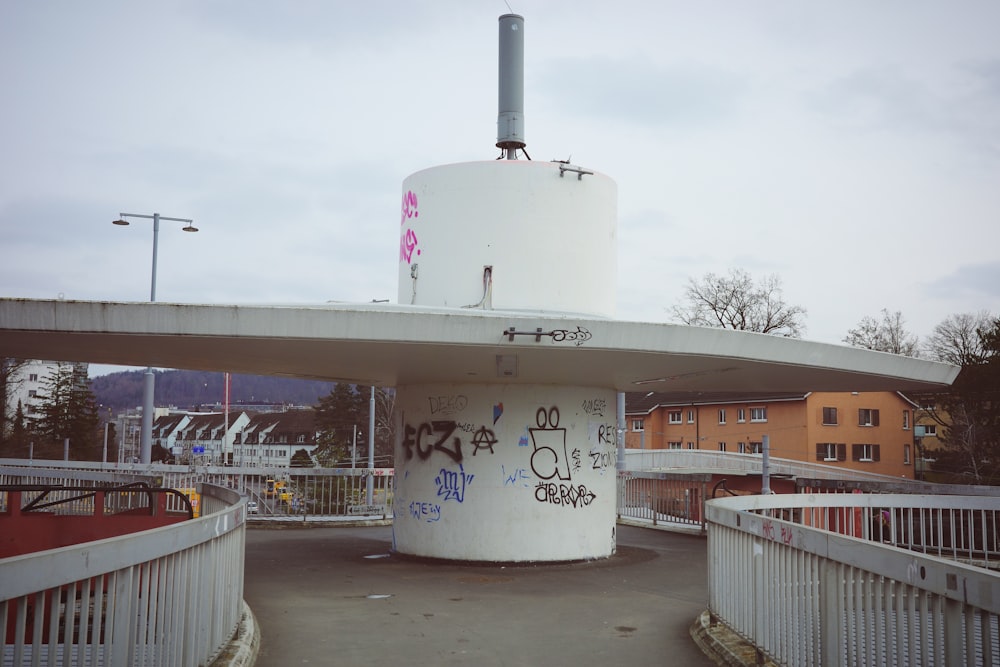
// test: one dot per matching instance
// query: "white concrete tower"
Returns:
(496, 469)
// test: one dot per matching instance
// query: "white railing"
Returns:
(166, 596)
(317, 492)
(700, 459)
(670, 499)
(858, 579)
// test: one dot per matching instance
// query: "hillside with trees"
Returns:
(187, 390)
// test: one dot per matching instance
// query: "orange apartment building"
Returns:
(870, 431)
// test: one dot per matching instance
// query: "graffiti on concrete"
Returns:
(549, 457)
(451, 484)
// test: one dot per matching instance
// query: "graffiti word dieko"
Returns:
(451, 485)
(566, 495)
(448, 405)
(432, 437)
(428, 512)
(595, 406)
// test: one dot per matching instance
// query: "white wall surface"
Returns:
(505, 473)
(551, 240)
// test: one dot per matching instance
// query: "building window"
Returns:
(722, 446)
(756, 447)
(637, 425)
(741, 415)
(690, 416)
(865, 453)
(906, 420)
(829, 416)
(741, 447)
(831, 451)
(906, 455)
(930, 430)
(674, 445)
(758, 414)
(33, 377)
(674, 416)
(690, 445)
(32, 393)
(867, 417)
(927, 405)
(722, 416)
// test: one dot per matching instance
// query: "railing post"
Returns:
(953, 643)
(830, 621)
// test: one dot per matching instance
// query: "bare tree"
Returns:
(959, 339)
(736, 301)
(885, 334)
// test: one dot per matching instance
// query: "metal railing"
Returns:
(292, 492)
(166, 596)
(700, 459)
(858, 579)
(672, 499)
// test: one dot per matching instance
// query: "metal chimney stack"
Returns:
(510, 117)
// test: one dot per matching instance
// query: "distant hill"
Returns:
(188, 389)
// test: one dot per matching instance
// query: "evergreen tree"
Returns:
(337, 416)
(16, 445)
(9, 378)
(67, 409)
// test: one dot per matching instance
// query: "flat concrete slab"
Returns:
(336, 596)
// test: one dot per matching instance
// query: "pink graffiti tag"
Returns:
(407, 244)
(409, 207)
(767, 530)
(407, 237)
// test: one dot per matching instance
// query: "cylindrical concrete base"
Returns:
(505, 473)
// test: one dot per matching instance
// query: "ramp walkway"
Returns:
(336, 596)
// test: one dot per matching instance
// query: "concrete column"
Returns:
(505, 473)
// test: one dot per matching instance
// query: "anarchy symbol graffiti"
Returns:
(483, 439)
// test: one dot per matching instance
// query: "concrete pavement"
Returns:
(336, 596)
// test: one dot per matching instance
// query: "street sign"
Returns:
(197, 450)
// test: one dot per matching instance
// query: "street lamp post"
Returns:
(146, 440)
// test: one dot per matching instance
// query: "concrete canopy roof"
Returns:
(392, 345)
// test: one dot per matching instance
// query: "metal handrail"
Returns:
(166, 596)
(832, 579)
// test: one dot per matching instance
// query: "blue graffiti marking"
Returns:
(520, 477)
(451, 485)
(428, 512)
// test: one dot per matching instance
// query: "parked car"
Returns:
(251, 507)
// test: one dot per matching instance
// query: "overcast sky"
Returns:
(850, 147)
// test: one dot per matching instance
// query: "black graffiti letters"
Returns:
(483, 439)
(603, 460)
(579, 337)
(566, 495)
(549, 456)
(432, 437)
